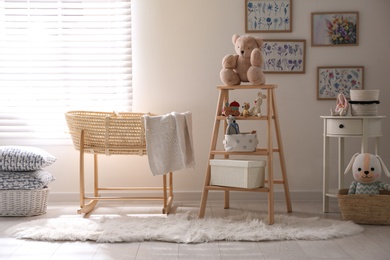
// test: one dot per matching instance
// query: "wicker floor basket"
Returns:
(24, 203)
(365, 209)
(108, 133)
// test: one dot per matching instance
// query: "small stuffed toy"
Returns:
(232, 128)
(366, 170)
(245, 112)
(256, 109)
(246, 65)
(231, 109)
(342, 106)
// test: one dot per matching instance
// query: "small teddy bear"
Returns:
(246, 65)
(232, 128)
(256, 109)
(245, 112)
(366, 170)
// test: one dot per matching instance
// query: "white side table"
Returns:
(341, 127)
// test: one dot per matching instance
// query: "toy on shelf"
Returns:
(231, 109)
(232, 128)
(366, 170)
(245, 112)
(256, 109)
(342, 106)
(246, 65)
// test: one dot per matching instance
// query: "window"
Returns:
(61, 55)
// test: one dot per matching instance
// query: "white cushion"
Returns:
(24, 158)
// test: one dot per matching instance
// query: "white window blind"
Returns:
(61, 55)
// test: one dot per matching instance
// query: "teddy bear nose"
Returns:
(242, 52)
(366, 172)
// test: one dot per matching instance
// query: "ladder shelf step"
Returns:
(224, 188)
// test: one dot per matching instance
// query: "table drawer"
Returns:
(344, 127)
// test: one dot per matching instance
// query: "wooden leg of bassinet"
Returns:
(84, 208)
(87, 208)
(167, 200)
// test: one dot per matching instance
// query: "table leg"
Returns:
(325, 174)
(341, 163)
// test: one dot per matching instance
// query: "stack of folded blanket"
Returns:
(21, 169)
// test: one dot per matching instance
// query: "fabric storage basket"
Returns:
(364, 102)
(23, 202)
(240, 143)
(365, 208)
(237, 173)
(108, 132)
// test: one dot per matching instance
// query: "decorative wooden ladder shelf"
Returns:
(271, 115)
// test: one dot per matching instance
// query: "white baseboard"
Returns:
(196, 195)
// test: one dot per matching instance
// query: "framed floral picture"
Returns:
(335, 29)
(268, 16)
(284, 56)
(334, 80)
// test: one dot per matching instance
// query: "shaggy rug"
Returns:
(183, 228)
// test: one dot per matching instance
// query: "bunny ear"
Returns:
(384, 168)
(351, 163)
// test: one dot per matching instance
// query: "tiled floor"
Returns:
(373, 243)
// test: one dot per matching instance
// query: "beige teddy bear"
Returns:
(246, 65)
(245, 112)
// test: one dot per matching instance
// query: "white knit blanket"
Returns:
(169, 142)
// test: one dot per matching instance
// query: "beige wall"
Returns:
(178, 47)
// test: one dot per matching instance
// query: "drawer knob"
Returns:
(341, 126)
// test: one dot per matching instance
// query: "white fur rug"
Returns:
(183, 228)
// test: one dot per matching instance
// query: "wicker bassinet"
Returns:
(23, 203)
(365, 209)
(108, 133)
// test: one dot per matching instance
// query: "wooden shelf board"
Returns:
(268, 86)
(224, 188)
(259, 151)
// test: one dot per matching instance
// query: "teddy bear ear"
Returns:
(234, 38)
(384, 168)
(351, 163)
(259, 42)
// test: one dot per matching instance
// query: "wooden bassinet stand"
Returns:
(109, 134)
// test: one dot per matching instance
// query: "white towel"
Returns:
(169, 143)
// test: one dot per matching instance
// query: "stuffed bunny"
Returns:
(366, 170)
(342, 106)
(256, 109)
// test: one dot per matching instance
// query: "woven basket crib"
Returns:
(24, 203)
(364, 208)
(112, 134)
(108, 133)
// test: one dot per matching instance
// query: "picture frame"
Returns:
(284, 56)
(338, 79)
(335, 29)
(268, 16)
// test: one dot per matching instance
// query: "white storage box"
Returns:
(240, 143)
(237, 173)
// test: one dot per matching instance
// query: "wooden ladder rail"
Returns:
(281, 155)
